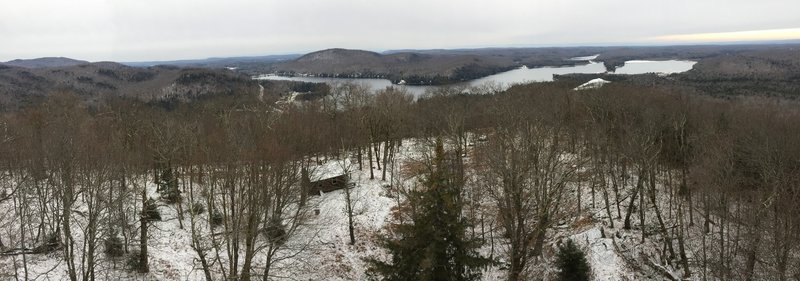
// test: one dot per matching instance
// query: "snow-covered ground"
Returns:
(327, 254)
(613, 253)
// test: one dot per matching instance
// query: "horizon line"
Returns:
(677, 43)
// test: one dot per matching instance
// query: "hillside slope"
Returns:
(45, 62)
(423, 68)
(20, 86)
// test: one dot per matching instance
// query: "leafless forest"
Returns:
(712, 183)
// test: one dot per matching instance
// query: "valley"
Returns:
(573, 163)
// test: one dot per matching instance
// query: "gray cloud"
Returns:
(128, 30)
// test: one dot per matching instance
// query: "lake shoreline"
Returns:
(519, 75)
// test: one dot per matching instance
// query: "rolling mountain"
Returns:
(414, 68)
(449, 66)
(45, 62)
(220, 62)
(92, 81)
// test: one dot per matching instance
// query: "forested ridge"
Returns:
(684, 186)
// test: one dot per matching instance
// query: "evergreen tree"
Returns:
(572, 263)
(434, 244)
(168, 186)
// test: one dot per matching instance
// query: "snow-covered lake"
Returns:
(515, 76)
(646, 66)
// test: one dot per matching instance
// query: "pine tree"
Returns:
(168, 186)
(572, 263)
(434, 244)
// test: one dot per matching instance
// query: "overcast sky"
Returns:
(138, 30)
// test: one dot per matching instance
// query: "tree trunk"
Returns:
(627, 224)
(682, 244)
(69, 250)
(369, 157)
(640, 187)
(270, 255)
(662, 226)
(385, 156)
(349, 205)
(360, 165)
(608, 205)
(377, 147)
(752, 252)
(538, 238)
(143, 268)
(615, 186)
(182, 188)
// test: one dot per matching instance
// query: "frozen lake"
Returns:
(647, 66)
(516, 76)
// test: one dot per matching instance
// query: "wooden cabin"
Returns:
(327, 185)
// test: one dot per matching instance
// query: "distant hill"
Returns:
(45, 62)
(413, 67)
(92, 81)
(341, 56)
(770, 69)
(443, 66)
(250, 64)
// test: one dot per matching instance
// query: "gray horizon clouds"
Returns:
(150, 30)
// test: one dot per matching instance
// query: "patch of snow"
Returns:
(606, 263)
(586, 58)
(592, 84)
